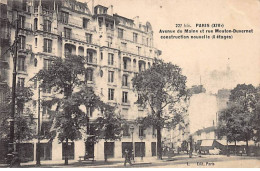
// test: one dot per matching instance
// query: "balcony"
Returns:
(77, 37)
(25, 48)
(25, 26)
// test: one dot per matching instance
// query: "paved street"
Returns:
(180, 161)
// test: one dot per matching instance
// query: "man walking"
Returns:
(127, 157)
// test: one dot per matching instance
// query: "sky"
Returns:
(207, 59)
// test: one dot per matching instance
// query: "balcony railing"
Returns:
(27, 48)
(25, 26)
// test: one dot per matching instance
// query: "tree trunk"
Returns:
(159, 138)
(66, 152)
(159, 143)
(247, 149)
(235, 147)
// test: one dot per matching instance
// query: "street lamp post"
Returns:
(38, 158)
(11, 141)
(132, 132)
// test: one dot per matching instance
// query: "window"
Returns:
(46, 89)
(154, 131)
(110, 59)
(141, 131)
(125, 80)
(67, 33)
(120, 33)
(124, 97)
(47, 25)
(85, 22)
(138, 50)
(45, 111)
(88, 38)
(21, 63)
(101, 55)
(90, 111)
(110, 76)
(147, 42)
(35, 24)
(89, 75)
(123, 45)
(135, 37)
(20, 82)
(64, 17)
(89, 57)
(22, 42)
(47, 45)
(35, 42)
(21, 21)
(111, 94)
(125, 63)
(139, 99)
(47, 64)
(126, 130)
(109, 41)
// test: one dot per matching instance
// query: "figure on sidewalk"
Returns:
(127, 157)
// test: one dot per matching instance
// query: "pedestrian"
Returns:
(127, 157)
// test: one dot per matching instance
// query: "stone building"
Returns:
(116, 48)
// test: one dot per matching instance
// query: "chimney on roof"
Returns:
(112, 9)
(136, 21)
(92, 7)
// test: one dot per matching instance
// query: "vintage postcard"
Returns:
(130, 83)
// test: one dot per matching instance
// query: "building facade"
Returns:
(115, 47)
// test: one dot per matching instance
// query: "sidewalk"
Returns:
(117, 162)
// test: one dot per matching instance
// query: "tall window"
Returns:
(22, 42)
(124, 97)
(126, 130)
(47, 25)
(47, 45)
(125, 63)
(89, 75)
(46, 111)
(88, 38)
(125, 80)
(46, 64)
(110, 59)
(89, 57)
(141, 131)
(120, 33)
(109, 41)
(85, 22)
(135, 37)
(20, 82)
(21, 22)
(35, 24)
(110, 76)
(67, 33)
(111, 94)
(138, 50)
(90, 111)
(21, 63)
(64, 17)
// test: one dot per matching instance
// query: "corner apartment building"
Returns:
(115, 47)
